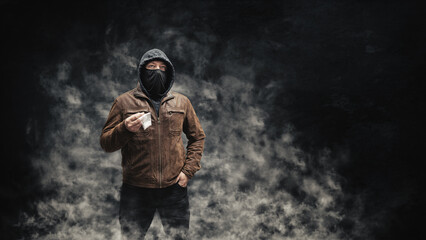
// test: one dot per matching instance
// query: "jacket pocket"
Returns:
(176, 117)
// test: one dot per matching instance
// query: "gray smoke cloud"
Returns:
(250, 186)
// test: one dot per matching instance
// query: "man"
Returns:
(155, 167)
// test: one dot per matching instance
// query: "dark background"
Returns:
(356, 85)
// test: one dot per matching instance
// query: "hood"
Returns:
(157, 54)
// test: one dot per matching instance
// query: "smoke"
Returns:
(251, 185)
(307, 107)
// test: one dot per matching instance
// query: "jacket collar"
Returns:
(139, 93)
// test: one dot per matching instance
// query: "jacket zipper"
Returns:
(159, 148)
(159, 140)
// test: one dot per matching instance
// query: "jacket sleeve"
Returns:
(114, 134)
(195, 135)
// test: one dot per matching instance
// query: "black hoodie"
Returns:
(152, 55)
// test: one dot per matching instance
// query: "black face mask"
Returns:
(154, 81)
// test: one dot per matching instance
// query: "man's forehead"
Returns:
(156, 61)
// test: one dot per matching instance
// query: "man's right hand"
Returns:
(133, 123)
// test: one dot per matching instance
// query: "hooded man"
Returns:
(155, 166)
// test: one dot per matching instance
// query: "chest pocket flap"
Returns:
(176, 117)
(130, 112)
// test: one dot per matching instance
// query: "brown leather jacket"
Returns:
(153, 158)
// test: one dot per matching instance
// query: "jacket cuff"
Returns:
(123, 132)
(187, 173)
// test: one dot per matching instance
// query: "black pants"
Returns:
(138, 206)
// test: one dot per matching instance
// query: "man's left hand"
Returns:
(182, 179)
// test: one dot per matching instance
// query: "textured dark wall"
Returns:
(311, 111)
